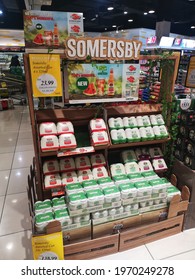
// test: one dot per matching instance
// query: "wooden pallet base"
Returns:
(142, 235)
(92, 248)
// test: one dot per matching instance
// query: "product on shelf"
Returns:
(105, 182)
(143, 189)
(158, 186)
(47, 128)
(82, 163)
(65, 127)
(123, 178)
(171, 191)
(99, 138)
(63, 217)
(136, 177)
(127, 190)
(42, 220)
(115, 123)
(67, 141)
(155, 152)
(58, 202)
(73, 188)
(52, 181)
(149, 133)
(118, 136)
(117, 169)
(67, 164)
(163, 131)
(130, 122)
(135, 134)
(153, 120)
(128, 133)
(49, 143)
(149, 175)
(69, 178)
(112, 194)
(146, 121)
(97, 125)
(131, 167)
(81, 219)
(95, 197)
(42, 206)
(51, 167)
(90, 185)
(145, 165)
(128, 156)
(98, 160)
(159, 164)
(78, 201)
(99, 172)
(84, 175)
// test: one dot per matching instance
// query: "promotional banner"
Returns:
(48, 29)
(46, 75)
(103, 82)
(48, 247)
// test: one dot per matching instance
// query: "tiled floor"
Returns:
(16, 152)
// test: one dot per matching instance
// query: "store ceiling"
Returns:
(181, 13)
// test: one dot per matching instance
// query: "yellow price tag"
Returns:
(46, 75)
(48, 247)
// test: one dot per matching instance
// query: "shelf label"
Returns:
(46, 75)
(76, 151)
(48, 247)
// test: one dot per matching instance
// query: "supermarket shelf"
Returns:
(143, 143)
(71, 153)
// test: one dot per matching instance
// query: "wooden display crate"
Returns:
(86, 249)
(115, 226)
(157, 230)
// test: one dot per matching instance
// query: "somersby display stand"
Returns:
(83, 116)
(107, 243)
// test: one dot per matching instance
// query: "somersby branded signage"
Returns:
(102, 49)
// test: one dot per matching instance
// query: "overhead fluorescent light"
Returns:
(1, 12)
(114, 26)
(151, 12)
(145, 13)
(192, 27)
(83, 17)
(93, 19)
(130, 20)
(125, 12)
(110, 8)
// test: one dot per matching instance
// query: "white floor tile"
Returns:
(25, 126)
(24, 145)
(139, 253)
(15, 216)
(190, 255)
(6, 161)
(1, 204)
(4, 178)
(172, 245)
(7, 146)
(16, 246)
(26, 134)
(23, 159)
(18, 180)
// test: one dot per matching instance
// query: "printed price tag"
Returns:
(46, 75)
(46, 84)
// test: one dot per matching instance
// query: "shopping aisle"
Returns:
(16, 153)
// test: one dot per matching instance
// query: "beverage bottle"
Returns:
(111, 82)
(56, 35)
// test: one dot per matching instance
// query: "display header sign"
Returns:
(190, 79)
(92, 83)
(46, 75)
(49, 29)
(102, 48)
